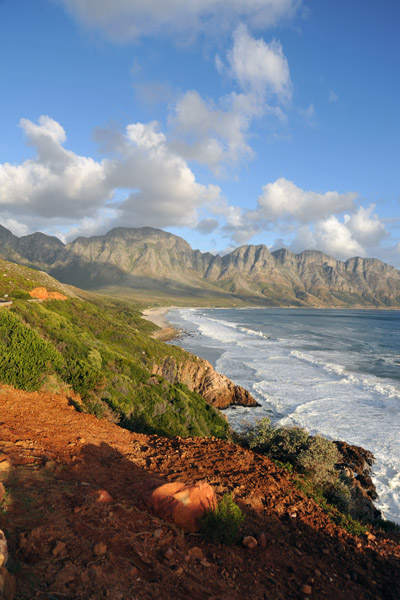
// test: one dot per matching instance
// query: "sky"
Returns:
(226, 122)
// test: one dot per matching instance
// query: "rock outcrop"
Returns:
(200, 376)
(356, 467)
(154, 260)
(41, 293)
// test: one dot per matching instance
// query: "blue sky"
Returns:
(265, 121)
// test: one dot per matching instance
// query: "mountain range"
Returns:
(152, 262)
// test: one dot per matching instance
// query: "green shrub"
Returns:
(339, 494)
(222, 525)
(20, 295)
(317, 461)
(25, 358)
(313, 456)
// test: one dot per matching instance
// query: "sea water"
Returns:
(334, 372)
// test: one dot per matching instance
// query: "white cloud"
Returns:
(164, 189)
(56, 182)
(124, 20)
(15, 226)
(365, 226)
(210, 134)
(332, 96)
(144, 184)
(282, 199)
(259, 67)
(216, 133)
(336, 239)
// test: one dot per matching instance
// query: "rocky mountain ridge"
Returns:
(154, 260)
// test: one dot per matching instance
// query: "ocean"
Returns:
(334, 372)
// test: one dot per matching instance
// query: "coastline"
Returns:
(167, 331)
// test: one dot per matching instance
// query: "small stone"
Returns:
(158, 533)
(317, 572)
(205, 563)
(262, 540)
(2, 492)
(58, 548)
(196, 552)
(5, 462)
(168, 554)
(100, 548)
(3, 549)
(306, 589)
(102, 496)
(359, 545)
(249, 542)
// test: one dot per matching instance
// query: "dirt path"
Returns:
(65, 544)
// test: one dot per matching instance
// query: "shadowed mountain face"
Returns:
(154, 260)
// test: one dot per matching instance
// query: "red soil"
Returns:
(65, 543)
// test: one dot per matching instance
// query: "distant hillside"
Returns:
(16, 281)
(150, 262)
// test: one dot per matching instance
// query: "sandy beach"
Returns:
(157, 316)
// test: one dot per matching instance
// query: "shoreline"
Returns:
(157, 315)
(167, 331)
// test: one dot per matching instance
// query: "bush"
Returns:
(222, 525)
(313, 456)
(25, 358)
(339, 494)
(317, 461)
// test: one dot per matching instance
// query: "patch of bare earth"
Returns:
(66, 543)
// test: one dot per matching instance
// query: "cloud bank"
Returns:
(144, 182)
(127, 20)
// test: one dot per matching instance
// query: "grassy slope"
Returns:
(102, 350)
(16, 281)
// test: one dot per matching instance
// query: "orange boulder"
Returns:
(180, 503)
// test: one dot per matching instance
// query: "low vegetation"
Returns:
(222, 524)
(315, 459)
(102, 351)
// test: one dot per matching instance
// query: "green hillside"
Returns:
(17, 280)
(101, 349)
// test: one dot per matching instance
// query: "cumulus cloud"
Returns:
(124, 20)
(283, 199)
(365, 226)
(56, 182)
(145, 183)
(216, 133)
(259, 67)
(328, 221)
(212, 135)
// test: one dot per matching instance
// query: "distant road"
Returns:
(8, 303)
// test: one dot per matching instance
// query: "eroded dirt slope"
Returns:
(63, 543)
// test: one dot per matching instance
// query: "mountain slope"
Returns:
(154, 261)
